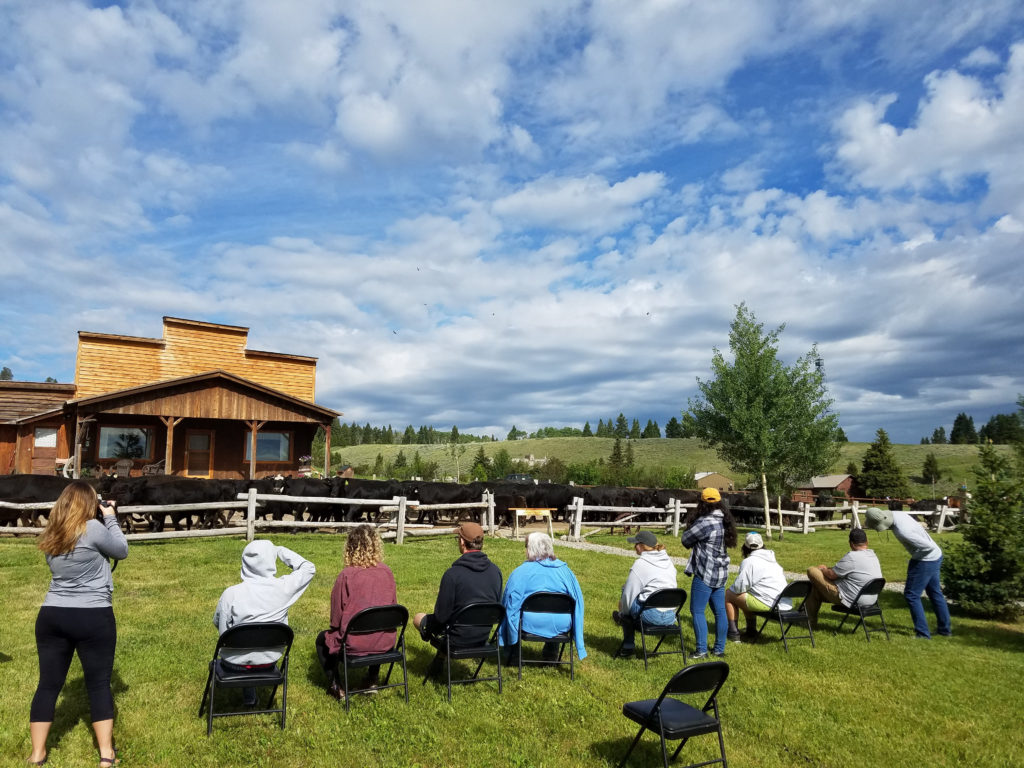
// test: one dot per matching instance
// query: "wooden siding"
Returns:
(109, 363)
(19, 399)
(205, 400)
(8, 436)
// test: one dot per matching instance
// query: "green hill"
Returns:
(955, 461)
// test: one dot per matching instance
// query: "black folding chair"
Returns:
(872, 588)
(381, 618)
(662, 598)
(552, 603)
(269, 636)
(797, 590)
(672, 719)
(473, 616)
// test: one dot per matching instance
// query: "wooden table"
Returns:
(531, 512)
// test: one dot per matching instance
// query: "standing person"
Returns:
(541, 572)
(652, 570)
(843, 582)
(922, 570)
(364, 582)
(757, 585)
(78, 614)
(473, 578)
(261, 597)
(709, 536)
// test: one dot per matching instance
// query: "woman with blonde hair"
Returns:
(77, 614)
(364, 582)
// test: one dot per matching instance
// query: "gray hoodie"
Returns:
(762, 577)
(652, 571)
(261, 596)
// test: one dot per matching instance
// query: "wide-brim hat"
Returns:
(878, 519)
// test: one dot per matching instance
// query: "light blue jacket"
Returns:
(541, 576)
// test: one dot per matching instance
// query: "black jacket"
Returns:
(473, 578)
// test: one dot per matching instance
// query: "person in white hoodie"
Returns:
(652, 570)
(758, 583)
(261, 597)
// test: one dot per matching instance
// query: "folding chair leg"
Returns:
(782, 629)
(679, 749)
(884, 627)
(664, 749)
(209, 710)
(284, 700)
(629, 751)
(206, 693)
(721, 746)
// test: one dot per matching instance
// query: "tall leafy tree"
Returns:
(764, 418)
(6, 374)
(939, 436)
(880, 475)
(963, 432)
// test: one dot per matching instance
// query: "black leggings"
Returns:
(59, 633)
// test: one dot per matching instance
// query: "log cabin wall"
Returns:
(107, 363)
(8, 437)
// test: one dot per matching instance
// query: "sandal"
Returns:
(110, 761)
(38, 762)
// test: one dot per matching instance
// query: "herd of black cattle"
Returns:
(162, 490)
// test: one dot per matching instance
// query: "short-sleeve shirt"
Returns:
(912, 535)
(856, 568)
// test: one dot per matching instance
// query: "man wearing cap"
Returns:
(652, 570)
(922, 570)
(473, 578)
(841, 583)
(759, 582)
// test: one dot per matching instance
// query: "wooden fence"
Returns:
(395, 527)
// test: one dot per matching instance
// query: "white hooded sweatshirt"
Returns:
(761, 577)
(652, 571)
(261, 596)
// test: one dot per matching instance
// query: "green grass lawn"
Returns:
(955, 461)
(947, 702)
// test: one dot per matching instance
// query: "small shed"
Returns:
(833, 484)
(714, 480)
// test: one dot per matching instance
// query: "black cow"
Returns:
(309, 487)
(160, 490)
(28, 489)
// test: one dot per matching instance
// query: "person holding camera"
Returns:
(77, 614)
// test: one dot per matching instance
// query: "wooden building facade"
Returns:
(195, 403)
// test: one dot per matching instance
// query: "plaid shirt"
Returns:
(710, 560)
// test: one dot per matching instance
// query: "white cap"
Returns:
(753, 540)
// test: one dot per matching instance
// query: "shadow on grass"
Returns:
(73, 707)
(990, 635)
(4, 658)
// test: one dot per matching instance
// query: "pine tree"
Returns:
(930, 472)
(586, 430)
(600, 428)
(939, 436)
(650, 430)
(409, 436)
(6, 375)
(963, 432)
(634, 431)
(621, 427)
(673, 428)
(880, 475)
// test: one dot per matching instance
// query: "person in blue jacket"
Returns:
(542, 572)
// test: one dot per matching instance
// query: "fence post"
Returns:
(577, 518)
(941, 511)
(677, 510)
(807, 515)
(400, 533)
(856, 517)
(250, 516)
(489, 498)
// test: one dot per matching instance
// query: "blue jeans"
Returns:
(923, 575)
(700, 595)
(652, 617)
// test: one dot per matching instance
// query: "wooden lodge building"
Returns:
(194, 403)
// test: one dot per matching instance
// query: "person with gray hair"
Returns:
(541, 572)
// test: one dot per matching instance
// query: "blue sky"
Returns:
(528, 213)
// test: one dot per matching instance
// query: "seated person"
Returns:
(541, 572)
(364, 582)
(652, 570)
(473, 578)
(261, 598)
(841, 583)
(757, 585)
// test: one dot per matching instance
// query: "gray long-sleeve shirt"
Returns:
(81, 578)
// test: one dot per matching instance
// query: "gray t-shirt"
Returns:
(81, 578)
(856, 568)
(912, 535)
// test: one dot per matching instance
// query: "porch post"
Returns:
(254, 427)
(170, 422)
(327, 451)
